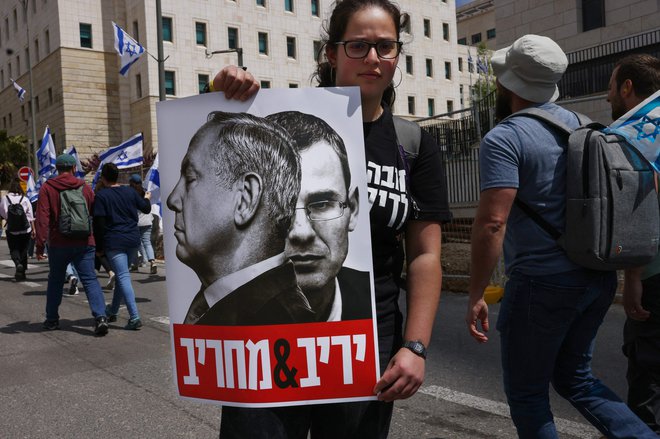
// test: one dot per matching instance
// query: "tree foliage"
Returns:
(13, 155)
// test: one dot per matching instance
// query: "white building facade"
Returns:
(79, 93)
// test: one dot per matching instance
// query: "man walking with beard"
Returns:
(552, 308)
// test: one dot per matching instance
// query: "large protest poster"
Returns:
(250, 318)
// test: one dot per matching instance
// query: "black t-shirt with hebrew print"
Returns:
(390, 194)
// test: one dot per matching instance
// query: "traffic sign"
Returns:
(24, 173)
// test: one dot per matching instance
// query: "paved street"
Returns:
(70, 384)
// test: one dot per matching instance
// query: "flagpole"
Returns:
(31, 149)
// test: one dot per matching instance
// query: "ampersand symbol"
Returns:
(281, 351)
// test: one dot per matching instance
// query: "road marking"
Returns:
(10, 263)
(25, 282)
(163, 319)
(565, 426)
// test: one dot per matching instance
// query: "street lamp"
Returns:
(238, 50)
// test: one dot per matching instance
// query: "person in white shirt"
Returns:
(20, 226)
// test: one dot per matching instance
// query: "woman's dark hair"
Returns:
(336, 27)
(15, 186)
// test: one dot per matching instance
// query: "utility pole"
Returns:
(161, 61)
(31, 149)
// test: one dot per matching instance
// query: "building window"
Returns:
(18, 65)
(9, 68)
(431, 105)
(263, 43)
(593, 14)
(447, 70)
(450, 106)
(429, 67)
(6, 28)
(293, 85)
(11, 122)
(202, 80)
(167, 29)
(427, 28)
(261, 3)
(138, 86)
(23, 112)
(462, 41)
(136, 31)
(265, 84)
(291, 47)
(445, 31)
(36, 50)
(15, 21)
(315, 8)
(36, 104)
(47, 38)
(476, 38)
(170, 87)
(288, 5)
(200, 33)
(460, 64)
(2, 79)
(317, 46)
(409, 64)
(232, 38)
(490, 34)
(50, 96)
(86, 35)
(461, 92)
(411, 104)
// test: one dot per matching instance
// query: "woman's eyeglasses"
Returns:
(385, 49)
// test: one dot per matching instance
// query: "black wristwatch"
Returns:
(417, 347)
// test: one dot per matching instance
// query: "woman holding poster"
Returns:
(362, 49)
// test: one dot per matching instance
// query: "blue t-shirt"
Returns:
(528, 155)
(119, 206)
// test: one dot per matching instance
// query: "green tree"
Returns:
(13, 155)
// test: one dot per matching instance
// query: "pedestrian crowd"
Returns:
(552, 306)
(79, 232)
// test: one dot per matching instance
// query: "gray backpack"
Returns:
(612, 212)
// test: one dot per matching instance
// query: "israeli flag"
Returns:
(46, 156)
(32, 190)
(126, 155)
(482, 65)
(153, 186)
(641, 128)
(79, 169)
(470, 62)
(20, 91)
(128, 49)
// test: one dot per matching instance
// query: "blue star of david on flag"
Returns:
(46, 156)
(128, 49)
(641, 127)
(642, 124)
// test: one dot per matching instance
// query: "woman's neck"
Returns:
(371, 111)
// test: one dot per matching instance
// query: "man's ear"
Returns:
(626, 89)
(247, 192)
(354, 208)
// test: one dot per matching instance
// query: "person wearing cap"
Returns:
(145, 221)
(63, 250)
(552, 308)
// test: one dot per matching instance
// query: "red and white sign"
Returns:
(24, 173)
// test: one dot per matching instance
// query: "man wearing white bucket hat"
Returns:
(552, 308)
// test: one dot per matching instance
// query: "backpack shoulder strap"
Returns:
(408, 134)
(550, 119)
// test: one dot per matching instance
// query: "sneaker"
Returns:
(133, 268)
(111, 281)
(154, 268)
(50, 325)
(111, 317)
(101, 327)
(20, 273)
(73, 286)
(133, 324)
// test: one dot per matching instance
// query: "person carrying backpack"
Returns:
(64, 220)
(16, 209)
(552, 307)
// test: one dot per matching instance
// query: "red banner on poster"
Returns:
(276, 364)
